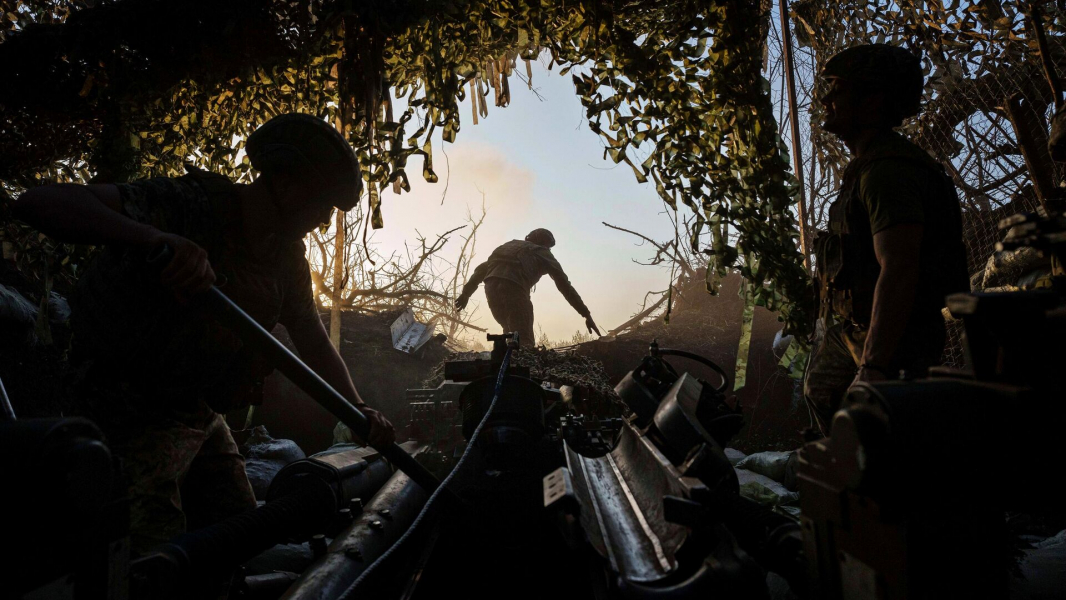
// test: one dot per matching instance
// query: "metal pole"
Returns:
(793, 114)
(5, 404)
(282, 359)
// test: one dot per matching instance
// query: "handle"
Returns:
(253, 334)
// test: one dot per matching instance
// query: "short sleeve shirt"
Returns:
(895, 192)
(898, 183)
(130, 326)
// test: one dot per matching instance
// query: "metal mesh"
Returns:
(976, 62)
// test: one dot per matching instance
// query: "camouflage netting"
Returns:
(555, 366)
(979, 58)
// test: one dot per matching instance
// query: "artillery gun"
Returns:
(544, 498)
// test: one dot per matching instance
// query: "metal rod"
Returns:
(5, 404)
(1035, 21)
(282, 359)
(793, 118)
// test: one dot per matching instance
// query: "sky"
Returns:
(539, 165)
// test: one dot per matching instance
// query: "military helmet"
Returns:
(887, 68)
(542, 237)
(308, 145)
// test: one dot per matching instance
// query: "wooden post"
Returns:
(793, 118)
(338, 274)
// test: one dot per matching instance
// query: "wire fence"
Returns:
(986, 101)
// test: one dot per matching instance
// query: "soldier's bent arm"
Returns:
(312, 343)
(96, 214)
(82, 214)
(898, 251)
(299, 316)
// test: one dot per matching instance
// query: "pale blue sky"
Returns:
(540, 166)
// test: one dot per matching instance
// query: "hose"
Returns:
(349, 593)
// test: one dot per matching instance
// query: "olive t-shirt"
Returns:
(895, 183)
(138, 336)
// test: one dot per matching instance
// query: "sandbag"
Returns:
(1043, 571)
(264, 456)
(770, 464)
(734, 456)
(763, 490)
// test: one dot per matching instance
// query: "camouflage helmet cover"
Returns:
(542, 237)
(305, 144)
(888, 68)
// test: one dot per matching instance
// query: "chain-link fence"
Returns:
(985, 112)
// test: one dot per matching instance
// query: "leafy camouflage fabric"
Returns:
(524, 263)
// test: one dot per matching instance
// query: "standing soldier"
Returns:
(510, 274)
(894, 247)
(157, 373)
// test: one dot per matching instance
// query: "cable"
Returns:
(436, 493)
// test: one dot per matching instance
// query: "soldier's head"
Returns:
(308, 167)
(873, 86)
(541, 237)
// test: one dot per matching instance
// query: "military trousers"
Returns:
(182, 466)
(835, 362)
(512, 308)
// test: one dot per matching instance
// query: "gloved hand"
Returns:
(460, 302)
(592, 325)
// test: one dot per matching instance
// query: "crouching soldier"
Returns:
(158, 373)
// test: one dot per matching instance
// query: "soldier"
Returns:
(894, 247)
(510, 274)
(156, 374)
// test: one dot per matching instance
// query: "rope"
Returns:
(348, 593)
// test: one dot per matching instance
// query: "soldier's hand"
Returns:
(189, 270)
(592, 325)
(382, 433)
(460, 302)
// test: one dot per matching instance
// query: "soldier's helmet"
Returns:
(891, 69)
(542, 237)
(308, 147)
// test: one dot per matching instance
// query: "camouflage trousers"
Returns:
(835, 361)
(512, 308)
(183, 467)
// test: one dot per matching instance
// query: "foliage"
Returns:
(679, 80)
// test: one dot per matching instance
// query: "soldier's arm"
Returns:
(312, 342)
(562, 282)
(93, 214)
(475, 280)
(82, 214)
(898, 251)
